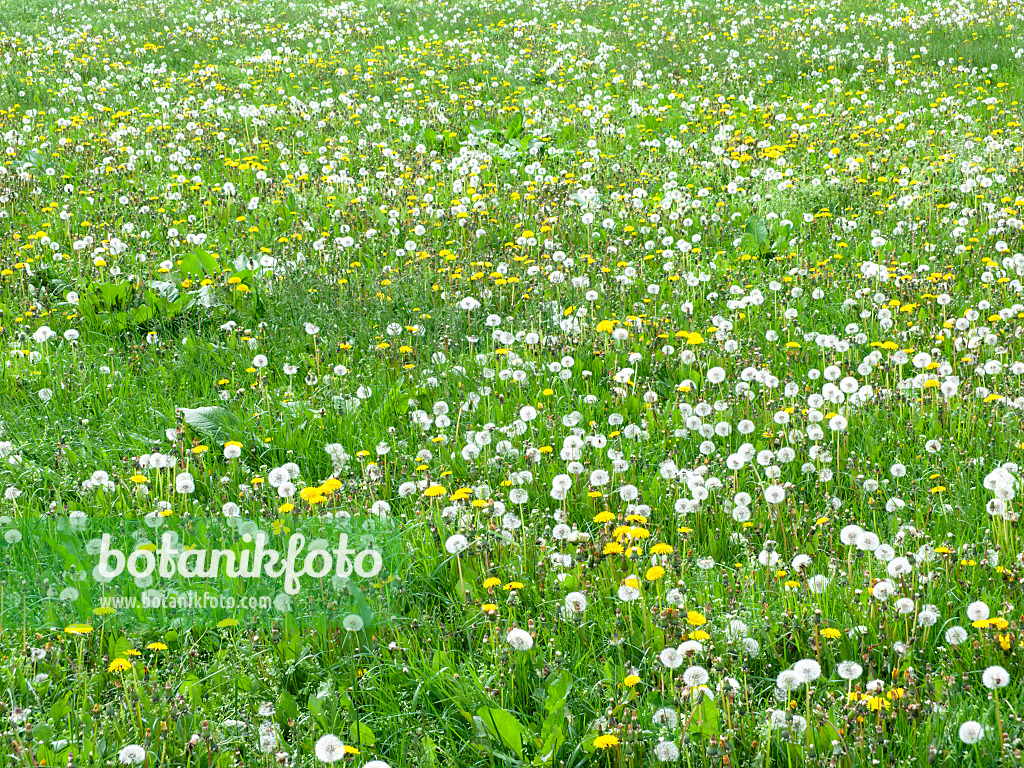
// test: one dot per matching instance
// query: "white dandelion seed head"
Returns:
(519, 639)
(978, 611)
(670, 658)
(133, 754)
(696, 675)
(456, 543)
(329, 749)
(666, 751)
(849, 534)
(667, 717)
(956, 635)
(808, 669)
(995, 677)
(849, 670)
(971, 732)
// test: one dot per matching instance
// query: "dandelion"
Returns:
(695, 675)
(575, 603)
(808, 670)
(883, 590)
(956, 635)
(899, 566)
(628, 593)
(456, 543)
(329, 749)
(787, 680)
(971, 732)
(868, 541)
(267, 737)
(849, 670)
(849, 534)
(977, 611)
(666, 716)
(670, 657)
(519, 639)
(995, 677)
(666, 751)
(133, 754)
(184, 484)
(689, 648)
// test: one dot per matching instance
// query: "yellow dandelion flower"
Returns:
(654, 573)
(605, 742)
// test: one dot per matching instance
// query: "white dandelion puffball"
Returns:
(808, 669)
(788, 680)
(575, 603)
(329, 749)
(971, 732)
(850, 670)
(956, 635)
(666, 751)
(353, 622)
(696, 675)
(666, 716)
(132, 754)
(456, 543)
(848, 536)
(977, 611)
(519, 639)
(184, 483)
(670, 657)
(995, 677)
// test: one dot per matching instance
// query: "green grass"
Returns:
(171, 199)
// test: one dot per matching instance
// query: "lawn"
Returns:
(616, 384)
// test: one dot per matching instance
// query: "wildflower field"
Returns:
(666, 358)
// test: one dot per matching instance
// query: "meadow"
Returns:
(670, 353)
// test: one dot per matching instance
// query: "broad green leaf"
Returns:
(705, 717)
(214, 422)
(286, 707)
(361, 735)
(316, 709)
(758, 230)
(503, 726)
